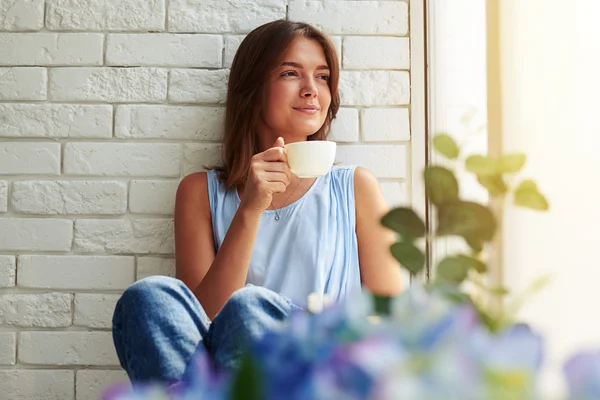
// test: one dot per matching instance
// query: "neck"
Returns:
(266, 141)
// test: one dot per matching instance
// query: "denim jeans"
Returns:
(158, 324)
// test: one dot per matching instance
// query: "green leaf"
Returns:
(248, 381)
(470, 220)
(404, 221)
(441, 185)
(382, 304)
(445, 145)
(527, 195)
(494, 184)
(481, 165)
(455, 268)
(409, 256)
(511, 163)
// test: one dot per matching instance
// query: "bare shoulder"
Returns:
(193, 191)
(364, 180)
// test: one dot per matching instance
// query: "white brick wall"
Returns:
(104, 107)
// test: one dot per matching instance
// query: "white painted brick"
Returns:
(198, 86)
(116, 85)
(344, 127)
(394, 193)
(121, 15)
(232, 43)
(125, 236)
(21, 15)
(384, 161)
(3, 196)
(56, 120)
(169, 122)
(150, 266)
(94, 310)
(76, 272)
(39, 49)
(198, 155)
(23, 83)
(385, 124)
(32, 384)
(369, 88)
(152, 197)
(223, 15)
(69, 197)
(376, 53)
(48, 310)
(8, 349)
(29, 158)
(8, 270)
(122, 159)
(165, 50)
(67, 348)
(36, 234)
(91, 384)
(352, 17)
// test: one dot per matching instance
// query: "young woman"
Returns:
(252, 239)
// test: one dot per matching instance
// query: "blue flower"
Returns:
(582, 371)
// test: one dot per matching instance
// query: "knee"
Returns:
(252, 299)
(147, 293)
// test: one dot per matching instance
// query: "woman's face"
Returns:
(297, 95)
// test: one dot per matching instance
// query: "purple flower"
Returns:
(582, 371)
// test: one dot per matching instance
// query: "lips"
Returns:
(307, 109)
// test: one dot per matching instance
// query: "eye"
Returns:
(325, 77)
(289, 73)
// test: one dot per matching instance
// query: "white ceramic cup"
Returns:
(312, 158)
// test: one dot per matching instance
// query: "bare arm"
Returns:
(214, 277)
(379, 270)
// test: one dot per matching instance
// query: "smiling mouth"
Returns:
(307, 110)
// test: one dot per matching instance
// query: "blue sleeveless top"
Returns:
(311, 248)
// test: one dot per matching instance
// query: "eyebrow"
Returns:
(295, 64)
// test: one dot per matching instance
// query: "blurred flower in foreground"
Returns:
(583, 375)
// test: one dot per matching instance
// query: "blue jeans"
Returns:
(158, 324)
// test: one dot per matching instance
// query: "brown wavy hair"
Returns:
(259, 53)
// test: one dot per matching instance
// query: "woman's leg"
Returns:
(248, 314)
(157, 325)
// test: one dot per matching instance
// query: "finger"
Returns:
(273, 166)
(272, 177)
(279, 142)
(275, 154)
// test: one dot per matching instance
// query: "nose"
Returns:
(309, 89)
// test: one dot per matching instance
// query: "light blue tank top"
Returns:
(311, 248)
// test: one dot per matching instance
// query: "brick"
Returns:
(35, 384)
(91, 384)
(67, 348)
(385, 124)
(198, 86)
(8, 349)
(152, 197)
(344, 127)
(48, 49)
(19, 15)
(94, 310)
(384, 161)
(3, 196)
(125, 236)
(150, 266)
(224, 16)
(122, 159)
(70, 197)
(372, 88)
(197, 156)
(232, 43)
(8, 270)
(94, 15)
(76, 272)
(376, 53)
(23, 83)
(19, 158)
(169, 122)
(395, 193)
(48, 310)
(353, 17)
(164, 50)
(116, 85)
(56, 120)
(36, 234)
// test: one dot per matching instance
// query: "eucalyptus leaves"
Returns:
(474, 222)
